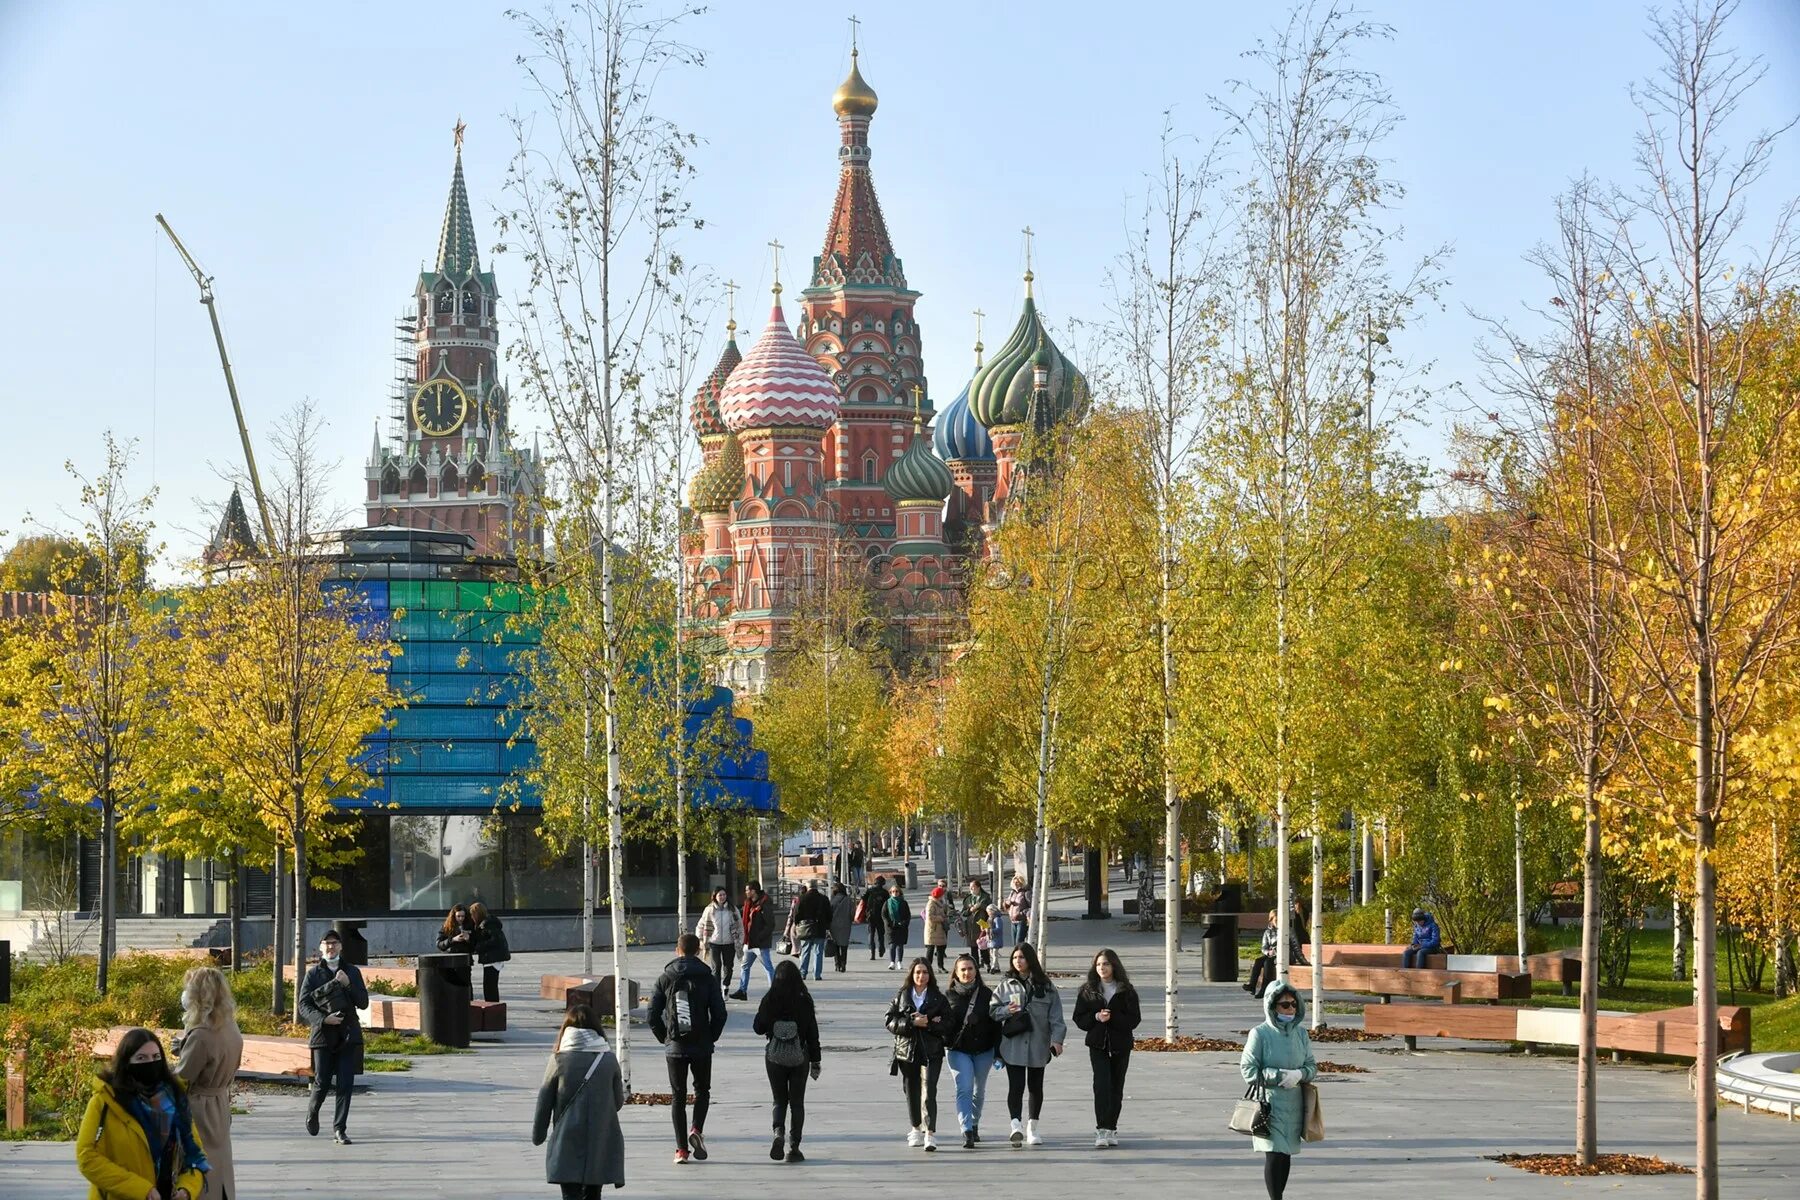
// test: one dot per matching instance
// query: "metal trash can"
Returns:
(1219, 957)
(912, 876)
(444, 998)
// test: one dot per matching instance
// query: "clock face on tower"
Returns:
(439, 408)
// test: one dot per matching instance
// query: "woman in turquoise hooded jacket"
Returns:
(1278, 1055)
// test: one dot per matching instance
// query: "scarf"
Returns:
(587, 1041)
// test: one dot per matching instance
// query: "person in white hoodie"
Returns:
(721, 931)
(578, 1111)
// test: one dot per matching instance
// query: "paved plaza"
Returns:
(457, 1127)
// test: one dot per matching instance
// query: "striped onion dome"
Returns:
(778, 383)
(1000, 393)
(704, 413)
(719, 482)
(958, 437)
(918, 474)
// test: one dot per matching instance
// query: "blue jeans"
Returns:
(768, 965)
(1414, 956)
(1019, 929)
(971, 1072)
(813, 950)
(896, 951)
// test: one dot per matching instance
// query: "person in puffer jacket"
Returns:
(1278, 1056)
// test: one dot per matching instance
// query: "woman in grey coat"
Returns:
(843, 909)
(1028, 993)
(1279, 1056)
(578, 1109)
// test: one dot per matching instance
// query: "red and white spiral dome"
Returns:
(778, 384)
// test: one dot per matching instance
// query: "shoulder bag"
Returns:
(1314, 1128)
(1251, 1115)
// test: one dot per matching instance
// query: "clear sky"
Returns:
(303, 152)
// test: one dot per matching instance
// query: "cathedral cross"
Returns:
(777, 247)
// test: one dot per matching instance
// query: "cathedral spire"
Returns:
(457, 256)
(858, 250)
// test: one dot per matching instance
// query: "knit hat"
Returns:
(938, 892)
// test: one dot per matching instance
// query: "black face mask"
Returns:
(146, 1075)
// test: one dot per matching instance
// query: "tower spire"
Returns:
(731, 288)
(777, 248)
(1028, 275)
(978, 346)
(457, 256)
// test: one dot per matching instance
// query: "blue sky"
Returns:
(303, 152)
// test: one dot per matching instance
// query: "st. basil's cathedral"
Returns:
(816, 456)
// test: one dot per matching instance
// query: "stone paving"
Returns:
(458, 1126)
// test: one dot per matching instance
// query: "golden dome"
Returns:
(854, 97)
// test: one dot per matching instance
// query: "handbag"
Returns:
(1251, 1114)
(1315, 1116)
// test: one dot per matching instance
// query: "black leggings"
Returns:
(922, 1076)
(939, 951)
(1275, 1172)
(1016, 1080)
(724, 963)
(490, 984)
(678, 1108)
(788, 1086)
(1262, 973)
(1109, 1085)
(843, 956)
(580, 1191)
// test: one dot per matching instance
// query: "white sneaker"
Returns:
(1100, 1142)
(1112, 1137)
(1018, 1134)
(930, 1140)
(1031, 1134)
(915, 1137)
(893, 966)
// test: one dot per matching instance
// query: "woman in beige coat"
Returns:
(208, 1053)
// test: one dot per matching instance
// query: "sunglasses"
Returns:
(1286, 1004)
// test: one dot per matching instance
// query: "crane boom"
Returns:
(237, 409)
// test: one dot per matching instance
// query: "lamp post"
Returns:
(1372, 338)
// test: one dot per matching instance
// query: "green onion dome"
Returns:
(1000, 393)
(918, 474)
(719, 482)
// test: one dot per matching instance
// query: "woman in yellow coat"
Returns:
(137, 1140)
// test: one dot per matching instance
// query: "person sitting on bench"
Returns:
(1425, 940)
(1262, 971)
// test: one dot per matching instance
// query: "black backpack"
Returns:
(678, 1000)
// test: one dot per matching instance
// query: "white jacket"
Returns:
(720, 925)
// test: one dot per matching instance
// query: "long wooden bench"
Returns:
(1453, 986)
(401, 1013)
(1668, 1031)
(1560, 967)
(263, 1055)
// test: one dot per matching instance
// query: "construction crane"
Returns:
(237, 409)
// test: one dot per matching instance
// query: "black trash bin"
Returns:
(444, 998)
(1219, 959)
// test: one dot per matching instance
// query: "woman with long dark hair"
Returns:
(458, 934)
(137, 1137)
(787, 1018)
(916, 1018)
(970, 1038)
(1029, 1011)
(1107, 1009)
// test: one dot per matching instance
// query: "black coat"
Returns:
(347, 1035)
(1113, 1035)
(874, 898)
(447, 943)
(812, 915)
(490, 942)
(898, 923)
(759, 929)
(928, 1042)
(797, 1008)
(703, 995)
(971, 1028)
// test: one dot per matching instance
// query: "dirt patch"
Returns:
(663, 1098)
(1328, 1034)
(1185, 1045)
(1331, 1068)
(1604, 1164)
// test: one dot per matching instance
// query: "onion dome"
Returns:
(719, 482)
(778, 383)
(704, 413)
(854, 97)
(958, 436)
(918, 474)
(1000, 393)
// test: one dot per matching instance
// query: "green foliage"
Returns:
(1366, 923)
(388, 1041)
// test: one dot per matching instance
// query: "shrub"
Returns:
(1364, 923)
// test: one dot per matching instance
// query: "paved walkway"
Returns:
(458, 1126)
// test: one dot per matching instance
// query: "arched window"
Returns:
(415, 482)
(477, 479)
(390, 482)
(868, 468)
(447, 481)
(471, 299)
(865, 395)
(446, 298)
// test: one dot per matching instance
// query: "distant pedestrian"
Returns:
(578, 1111)
(330, 994)
(858, 859)
(937, 924)
(491, 950)
(721, 931)
(916, 1018)
(687, 1015)
(1426, 941)
(897, 915)
(971, 1037)
(458, 934)
(137, 1137)
(208, 1051)
(978, 923)
(1107, 1009)
(842, 910)
(759, 932)
(812, 927)
(1278, 1056)
(874, 904)
(786, 1017)
(1018, 910)
(1030, 1013)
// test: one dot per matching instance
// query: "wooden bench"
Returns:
(263, 1055)
(1456, 986)
(556, 987)
(1668, 1031)
(401, 1013)
(1557, 966)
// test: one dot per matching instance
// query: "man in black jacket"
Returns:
(687, 1015)
(812, 926)
(330, 994)
(873, 900)
(759, 932)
